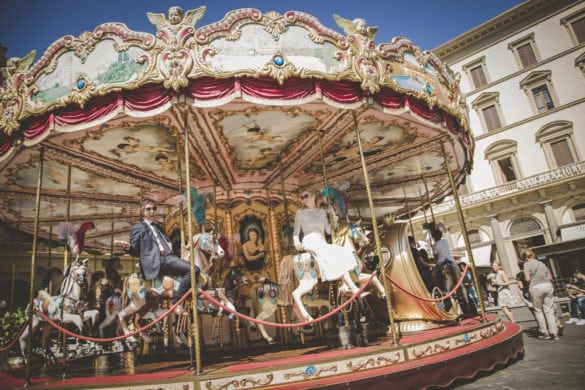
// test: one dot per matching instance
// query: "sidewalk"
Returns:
(546, 365)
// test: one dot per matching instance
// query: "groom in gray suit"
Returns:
(154, 248)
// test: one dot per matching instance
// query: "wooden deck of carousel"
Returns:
(428, 359)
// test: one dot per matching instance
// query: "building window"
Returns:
(524, 51)
(502, 157)
(491, 118)
(538, 87)
(542, 98)
(473, 236)
(487, 106)
(476, 72)
(506, 168)
(524, 225)
(575, 25)
(580, 63)
(579, 212)
(556, 140)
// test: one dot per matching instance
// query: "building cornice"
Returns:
(507, 23)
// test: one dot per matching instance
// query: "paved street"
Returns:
(546, 364)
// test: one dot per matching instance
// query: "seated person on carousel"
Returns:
(442, 255)
(153, 247)
(421, 260)
(576, 291)
(335, 262)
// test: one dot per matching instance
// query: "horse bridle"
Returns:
(208, 245)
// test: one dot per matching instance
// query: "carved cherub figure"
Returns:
(177, 17)
(15, 65)
(357, 26)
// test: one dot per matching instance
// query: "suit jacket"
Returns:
(143, 245)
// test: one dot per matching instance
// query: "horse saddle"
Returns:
(305, 262)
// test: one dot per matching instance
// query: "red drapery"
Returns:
(153, 96)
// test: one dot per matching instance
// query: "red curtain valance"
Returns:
(153, 96)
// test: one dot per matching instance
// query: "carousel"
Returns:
(224, 126)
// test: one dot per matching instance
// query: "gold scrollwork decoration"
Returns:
(488, 332)
(431, 349)
(279, 68)
(242, 383)
(371, 362)
(83, 45)
(310, 372)
(466, 339)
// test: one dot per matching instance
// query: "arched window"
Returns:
(524, 225)
(473, 236)
(579, 212)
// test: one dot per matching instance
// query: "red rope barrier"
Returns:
(122, 337)
(212, 299)
(2, 349)
(430, 299)
(278, 325)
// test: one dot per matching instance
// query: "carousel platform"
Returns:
(430, 359)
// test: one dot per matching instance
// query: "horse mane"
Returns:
(286, 278)
(341, 233)
(125, 291)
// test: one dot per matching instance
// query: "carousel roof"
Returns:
(268, 104)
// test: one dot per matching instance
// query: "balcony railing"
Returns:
(516, 186)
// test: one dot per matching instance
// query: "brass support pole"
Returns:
(33, 267)
(464, 232)
(192, 255)
(65, 265)
(67, 216)
(376, 233)
(408, 210)
(180, 191)
(428, 197)
(50, 254)
(12, 281)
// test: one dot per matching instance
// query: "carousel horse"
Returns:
(303, 267)
(134, 299)
(349, 235)
(68, 307)
(265, 299)
(207, 253)
(138, 299)
(449, 276)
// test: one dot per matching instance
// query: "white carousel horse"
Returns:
(304, 267)
(67, 307)
(207, 255)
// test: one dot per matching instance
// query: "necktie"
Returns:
(161, 241)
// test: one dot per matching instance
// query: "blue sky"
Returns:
(27, 25)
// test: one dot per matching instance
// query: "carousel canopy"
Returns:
(268, 104)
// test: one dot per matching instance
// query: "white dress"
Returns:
(505, 297)
(333, 260)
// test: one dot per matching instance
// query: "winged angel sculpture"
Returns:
(176, 33)
(11, 103)
(362, 51)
